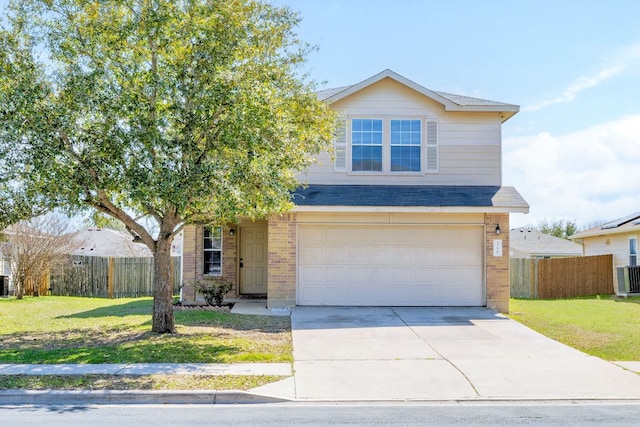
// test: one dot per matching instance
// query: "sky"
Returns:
(573, 67)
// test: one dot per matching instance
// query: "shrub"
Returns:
(214, 292)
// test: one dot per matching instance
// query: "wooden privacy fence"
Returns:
(561, 277)
(108, 277)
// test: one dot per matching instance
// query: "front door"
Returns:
(253, 260)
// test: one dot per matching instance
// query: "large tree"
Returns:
(185, 111)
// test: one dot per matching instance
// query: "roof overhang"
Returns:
(408, 198)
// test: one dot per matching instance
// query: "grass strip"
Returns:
(147, 382)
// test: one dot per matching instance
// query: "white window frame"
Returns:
(633, 251)
(429, 147)
(211, 249)
(420, 146)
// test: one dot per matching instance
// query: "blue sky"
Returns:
(573, 151)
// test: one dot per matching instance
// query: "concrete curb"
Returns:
(107, 397)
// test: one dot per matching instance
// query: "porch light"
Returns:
(497, 228)
(232, 232)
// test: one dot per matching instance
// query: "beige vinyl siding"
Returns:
(616, 244)
(458, 165)
(468, 144)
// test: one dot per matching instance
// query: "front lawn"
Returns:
(93, 330)
(604, 326)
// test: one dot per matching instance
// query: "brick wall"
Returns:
(497, 267)
(192, 260)
(282, 261)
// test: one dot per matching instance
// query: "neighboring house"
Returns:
(619, 237)
(410, 211)
(527, 243)
(108, 243)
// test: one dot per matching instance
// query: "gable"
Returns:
(388, 97)
(450, 102)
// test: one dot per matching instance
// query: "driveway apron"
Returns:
(361, 353)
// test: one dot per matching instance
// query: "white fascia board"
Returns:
(605, 232)
(412, 209)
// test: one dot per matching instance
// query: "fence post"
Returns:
(535, 278)
(110, 277)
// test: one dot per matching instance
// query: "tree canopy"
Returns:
(557, 227)
(185, 111)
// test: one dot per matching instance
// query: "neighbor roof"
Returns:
(626, 224)
(428, 197)
(106, 242)
(535, 243)
(450, 101)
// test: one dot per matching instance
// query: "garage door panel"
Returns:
(390, 265)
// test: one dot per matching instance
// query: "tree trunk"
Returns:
(163, 320)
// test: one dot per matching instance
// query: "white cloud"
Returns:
(625, 58)
(583, 176)
(571, 91)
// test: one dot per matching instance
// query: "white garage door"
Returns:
(383, 265)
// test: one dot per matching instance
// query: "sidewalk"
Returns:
(88, 397)
(279, 369)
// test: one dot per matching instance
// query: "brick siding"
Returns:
(497, 267)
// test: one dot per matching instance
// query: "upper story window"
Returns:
(212, 251)
(366, 145)
(406, 139)
(386, 145)
(633, 251)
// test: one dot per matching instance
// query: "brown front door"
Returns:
(253, 260)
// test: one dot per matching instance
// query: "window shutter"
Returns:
(340, 146)
(432, 146)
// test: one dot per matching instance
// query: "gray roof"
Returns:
(106, 242)
(410, 195)
(627, 224)
(535, 243)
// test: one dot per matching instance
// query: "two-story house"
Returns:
(409, 211)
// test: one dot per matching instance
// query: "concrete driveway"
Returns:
(351, 353)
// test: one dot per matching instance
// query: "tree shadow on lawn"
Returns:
(192, 318)
(145, 347)
(132, 308)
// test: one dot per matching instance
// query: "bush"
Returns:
(214, 292)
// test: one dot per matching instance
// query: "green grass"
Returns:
(604, 326)
(149, 382)
(47, 330)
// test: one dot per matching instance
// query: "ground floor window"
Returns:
(212, 249)
(633, 251)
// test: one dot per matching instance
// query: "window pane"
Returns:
(405, 159)
(212, 253)
(406, 138)
(213, 263)
(633, 246)
(366, 145)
